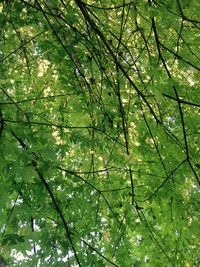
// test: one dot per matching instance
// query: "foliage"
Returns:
(99, 125)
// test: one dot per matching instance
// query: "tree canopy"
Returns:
(99, 128)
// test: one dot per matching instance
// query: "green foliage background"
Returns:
(99, 126)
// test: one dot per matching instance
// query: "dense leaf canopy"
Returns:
(99, 126)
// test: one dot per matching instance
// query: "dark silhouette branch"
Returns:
(182, 101)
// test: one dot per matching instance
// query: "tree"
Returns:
(99, 126)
